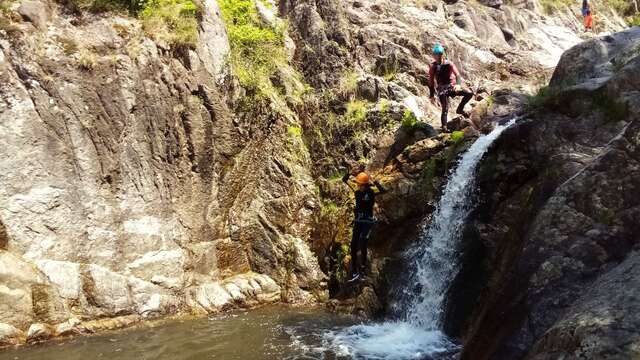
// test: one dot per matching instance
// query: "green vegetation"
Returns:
(348, 86)
(457, 136)
(295, 131)
(409, 120)
(541, 98)
(551, 6)
(5, 5)
(69, 46)
(384, 106)
(329, 208)
(343, 257)
(633, 20)
(390, 69)
(87, 59)
(490, 101)
(257, 50)
(173, 21)
(356, 112)
(7, 18)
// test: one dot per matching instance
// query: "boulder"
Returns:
(424, 149)
(459, 123)
(35, 11)
(39, 332)
(9, 335)
(67, 328)
(26, 295)
(557, 222)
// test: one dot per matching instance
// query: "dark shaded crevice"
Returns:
(4, 237)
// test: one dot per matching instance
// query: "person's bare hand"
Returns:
(457, 88)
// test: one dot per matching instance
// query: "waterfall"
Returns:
(434, 257)
(433, 266)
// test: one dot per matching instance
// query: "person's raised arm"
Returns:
(381, 189)
(345, 179)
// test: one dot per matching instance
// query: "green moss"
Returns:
(409, 120)
(356, 112)
(363, 161)
(335, 177)
(429, 172)
(457, 136)
(295, 131)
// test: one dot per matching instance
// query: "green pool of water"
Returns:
(276, 332)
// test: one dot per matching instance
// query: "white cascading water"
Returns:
(435, 261)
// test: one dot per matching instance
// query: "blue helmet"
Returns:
(438, 49)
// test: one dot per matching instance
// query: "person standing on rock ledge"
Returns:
(446, 80)
(364, 220)
(588, 16)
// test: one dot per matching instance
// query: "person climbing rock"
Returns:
(445, 80)
(587, 15)
(365, 193)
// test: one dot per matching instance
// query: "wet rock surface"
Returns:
(558, 222)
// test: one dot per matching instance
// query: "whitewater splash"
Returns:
(435, 261)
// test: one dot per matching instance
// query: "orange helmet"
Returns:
(363, 178)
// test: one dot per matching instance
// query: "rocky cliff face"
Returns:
(559, 220)
(130, 185)
(140, 179)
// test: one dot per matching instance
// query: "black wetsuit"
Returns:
(444, 75)
(362, 224)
